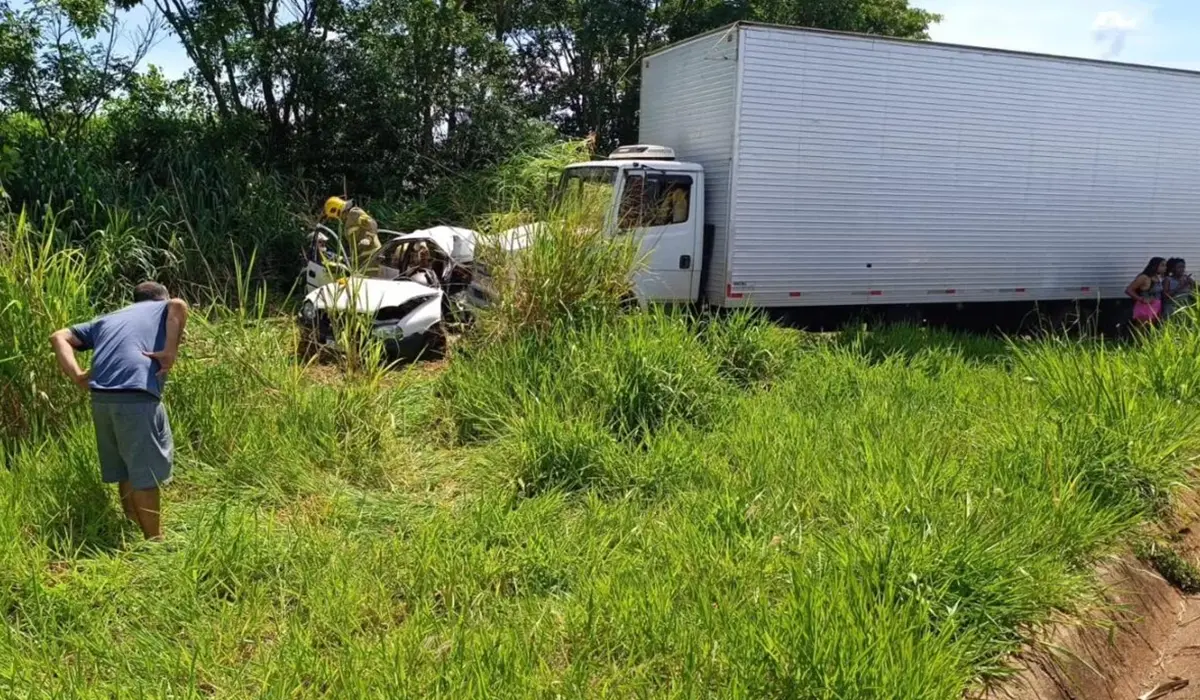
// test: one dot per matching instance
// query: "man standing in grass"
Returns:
(134, 348)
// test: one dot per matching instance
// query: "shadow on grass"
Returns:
(58, 498)
(84, 521)
(909, 341)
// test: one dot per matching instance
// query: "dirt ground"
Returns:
(1179, 654)
(1143, 645)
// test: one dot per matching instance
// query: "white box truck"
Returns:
(807, 168)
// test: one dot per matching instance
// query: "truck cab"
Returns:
(660, 201)
(650, 195)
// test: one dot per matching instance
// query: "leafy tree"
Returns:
(60, 61)
(400, 101)
(580, 59)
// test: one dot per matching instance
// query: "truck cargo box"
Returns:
(845, 169)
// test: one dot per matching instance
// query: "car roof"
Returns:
(457, 242)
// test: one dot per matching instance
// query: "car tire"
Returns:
(308, 345)
(437, 342)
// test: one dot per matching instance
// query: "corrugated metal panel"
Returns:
(882, 172)
(687, 103)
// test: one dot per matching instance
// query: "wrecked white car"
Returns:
(480, 290)
(405, 315)
(451, 256)
(410, 293)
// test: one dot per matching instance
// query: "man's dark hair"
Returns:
(149, 291)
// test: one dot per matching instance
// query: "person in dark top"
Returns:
(1177, 287)
(133, 349)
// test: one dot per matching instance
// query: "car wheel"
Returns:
(436, 342)
(308, 345)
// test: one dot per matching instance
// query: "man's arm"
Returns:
(177, 313)
(65, 343)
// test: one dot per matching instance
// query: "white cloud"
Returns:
(1110, 29)
(1083, 28)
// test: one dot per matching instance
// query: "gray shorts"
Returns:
(133, 438)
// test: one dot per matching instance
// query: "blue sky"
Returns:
(1157, 33)
(166, 53)
(1161, 33)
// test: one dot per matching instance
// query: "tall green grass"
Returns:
(42, 289)
(562, 268)
(585, 503)
(176, 211)
(847, 525)
(175, 217)
(633, 374)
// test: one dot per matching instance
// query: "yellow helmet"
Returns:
(334, 206)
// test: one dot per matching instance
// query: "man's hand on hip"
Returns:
(165, 360)
(81, 380)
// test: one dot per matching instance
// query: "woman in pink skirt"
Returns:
(1146, 292)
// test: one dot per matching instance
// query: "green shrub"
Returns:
(487, 384)
(1168, 357)
(553, 451)
(647, 370)
(636, 373)
(749, 349)
(1127, 436)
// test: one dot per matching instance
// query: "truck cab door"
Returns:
(663, 210)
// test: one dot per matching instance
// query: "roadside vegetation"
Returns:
(581, 501)
(584, 499)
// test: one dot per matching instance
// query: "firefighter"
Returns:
(359, 229)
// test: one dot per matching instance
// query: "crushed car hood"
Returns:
(368, 295)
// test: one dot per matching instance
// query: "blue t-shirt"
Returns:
(119, 339)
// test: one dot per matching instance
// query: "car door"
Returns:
(660, 208)
(324, 258)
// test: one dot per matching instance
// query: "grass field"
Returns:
(637, 505)
(641, 508)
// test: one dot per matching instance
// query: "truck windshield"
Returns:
(587, 187)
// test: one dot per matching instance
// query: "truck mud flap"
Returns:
(710, 233)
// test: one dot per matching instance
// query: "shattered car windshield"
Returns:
(587, 187)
